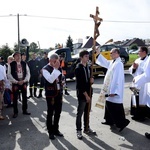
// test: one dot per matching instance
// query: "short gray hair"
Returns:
(54, 56)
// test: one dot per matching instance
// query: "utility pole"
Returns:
(18, 32)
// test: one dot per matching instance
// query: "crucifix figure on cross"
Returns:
(97, 22)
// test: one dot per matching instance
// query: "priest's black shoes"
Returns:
(147, 135)
(26, 113)
(107, 123)
(51, 136)
(58, 133)
(126, 123)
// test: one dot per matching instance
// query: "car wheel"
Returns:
(123, 60)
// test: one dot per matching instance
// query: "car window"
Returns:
(110, 47)
(103, 48)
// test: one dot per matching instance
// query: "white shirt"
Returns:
(51, 77)
(2, 73)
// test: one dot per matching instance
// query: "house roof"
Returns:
(134, 41)
(89, 43)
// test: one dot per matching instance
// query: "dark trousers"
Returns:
(54, 108)
(33, 84)
(42, 82)
(16, 88)
(82, 108)
(41, 85)
(114, 114)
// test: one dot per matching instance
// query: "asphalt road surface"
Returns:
(29, 132)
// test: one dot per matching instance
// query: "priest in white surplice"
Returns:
(138, 110)
(113, 87)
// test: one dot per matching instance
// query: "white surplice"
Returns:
(144, 79)
(140, 70)
(116, 85)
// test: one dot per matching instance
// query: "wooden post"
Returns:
(97, 22)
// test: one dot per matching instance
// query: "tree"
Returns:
(69, 43)
(133, 46)
(22, 49)
(5, 51)
(34, 47)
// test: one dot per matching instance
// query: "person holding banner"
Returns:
(113, 89)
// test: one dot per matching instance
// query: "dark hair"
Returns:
(143, 48)
(2, 58)
(45, 53)
(116, 50)
(84, 52)
(16, 53)
(23, 54)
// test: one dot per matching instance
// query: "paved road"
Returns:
(29, 132)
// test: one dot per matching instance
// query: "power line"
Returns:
(121, 21)
(79, 19)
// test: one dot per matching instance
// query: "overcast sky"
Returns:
(51, 28)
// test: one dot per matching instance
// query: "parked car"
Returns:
(132, 50)
(105, 51)
(135, 52)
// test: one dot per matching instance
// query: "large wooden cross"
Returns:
(97, 22)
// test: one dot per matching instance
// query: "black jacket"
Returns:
(34, 67)
(83, 75)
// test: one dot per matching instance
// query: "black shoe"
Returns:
(66, 93)
(107, 123)
(39, 96)
(58, 133)
(141, 119)
(89, 131)
(15, 115)
(127, 122)
(79, 135)
(26, 113)
(35, 95)
(30, 96)
(147, 135)
(52, 137)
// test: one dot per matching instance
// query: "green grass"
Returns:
(132, 58)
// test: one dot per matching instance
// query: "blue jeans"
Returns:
(82, 108)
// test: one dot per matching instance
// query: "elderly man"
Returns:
(113, 88)
(53, 92)
(19, 75)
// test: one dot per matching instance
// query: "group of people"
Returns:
(20, 73)
(114, 111)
